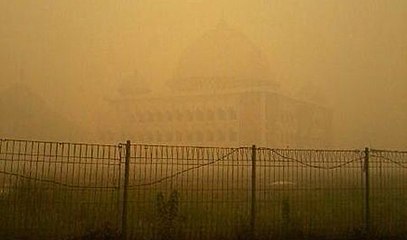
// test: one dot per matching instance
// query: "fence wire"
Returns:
(316, 192)
(388, 195)
(212, 185)
(52, 190)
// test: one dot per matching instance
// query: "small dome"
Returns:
(221, 59)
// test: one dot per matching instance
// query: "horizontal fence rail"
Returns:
(52, 190)
(388, 191)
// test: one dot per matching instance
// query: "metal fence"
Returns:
(52, 190)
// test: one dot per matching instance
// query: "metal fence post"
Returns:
(367, 192)
(253, 195)
(125, 195)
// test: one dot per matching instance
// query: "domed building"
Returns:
(222, 59)
(223, 94)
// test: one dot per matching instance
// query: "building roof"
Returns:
(223, 58)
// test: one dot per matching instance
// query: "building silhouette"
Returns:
(222, 94)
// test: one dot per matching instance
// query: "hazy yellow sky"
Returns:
(73, 52)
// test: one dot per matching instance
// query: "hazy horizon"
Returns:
(75, 54)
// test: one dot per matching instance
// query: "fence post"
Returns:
(125, 196)
(253, 195)
(367, 192)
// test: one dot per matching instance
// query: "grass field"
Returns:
(198, 193)
(41, 211)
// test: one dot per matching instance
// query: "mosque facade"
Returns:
(223, 94)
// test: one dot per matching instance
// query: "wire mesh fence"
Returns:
(309, 191)
(188, 192)
(388, 195)
(53, 190)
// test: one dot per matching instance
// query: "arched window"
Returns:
(168, 116)
(158, 136)
(210, 115)
(132, 116)
(149, 116)
(179, 115)
(188, 115)
(199, 115)
(169, 136)
(158, 116)
(140, 136)
(147, 136)
(232, 113)
(199, 136)
(232, 135)
(221, 136)
(221, 115)
(190, 136)
(209, 137)
(140, 116)
(178, 136)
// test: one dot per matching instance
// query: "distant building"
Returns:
(25, 115)
(222, 94)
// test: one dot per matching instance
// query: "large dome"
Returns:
(221, 59)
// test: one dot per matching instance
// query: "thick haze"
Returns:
(74, 54)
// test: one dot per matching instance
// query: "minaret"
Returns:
(21, 73)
